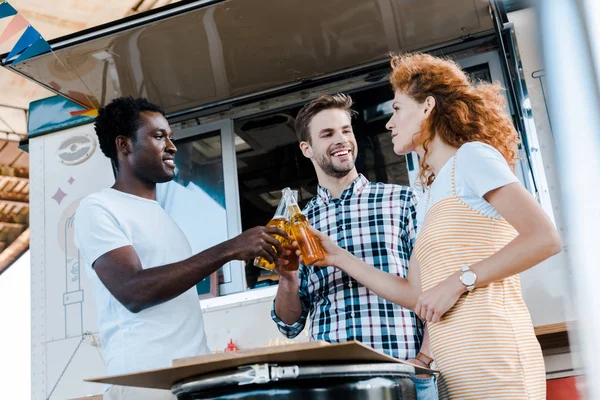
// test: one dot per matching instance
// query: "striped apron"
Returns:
(485, 346)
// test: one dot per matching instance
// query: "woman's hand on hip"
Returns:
(435, 302)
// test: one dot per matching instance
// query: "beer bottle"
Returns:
(308, 244)
(293, 258)
(280, 221)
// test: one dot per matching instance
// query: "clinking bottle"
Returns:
(281, 220)
(308, 244)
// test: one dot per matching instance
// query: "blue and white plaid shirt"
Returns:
(377, 223)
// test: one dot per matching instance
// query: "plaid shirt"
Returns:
(377, 223)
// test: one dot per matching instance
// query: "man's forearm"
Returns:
(288, 307)
(153, 286)
(121, 271)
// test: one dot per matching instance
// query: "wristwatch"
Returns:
(468, 277)
(425, 359)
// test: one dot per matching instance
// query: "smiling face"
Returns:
(406, 121)
(153, 155)
(332, 146)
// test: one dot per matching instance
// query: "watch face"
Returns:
(468, 278)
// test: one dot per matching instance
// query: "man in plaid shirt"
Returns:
(374, 221)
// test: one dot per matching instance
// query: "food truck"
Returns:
(231, 76)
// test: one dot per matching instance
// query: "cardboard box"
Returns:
(311, 353)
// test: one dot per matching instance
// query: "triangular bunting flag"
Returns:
(18, 22)
(90, 113)
(84, 113)
(39, 47)
(6, 10)
(29, 37)
(78, 112)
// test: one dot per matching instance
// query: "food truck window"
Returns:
(230, 173)
(272, 160)
(200, 195)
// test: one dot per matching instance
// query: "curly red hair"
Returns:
(463, 112)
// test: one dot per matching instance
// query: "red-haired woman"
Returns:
(480, 229)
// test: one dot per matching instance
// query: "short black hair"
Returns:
(120, 117)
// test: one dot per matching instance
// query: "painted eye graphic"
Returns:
(76, 149)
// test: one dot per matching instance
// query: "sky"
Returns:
(15, 331)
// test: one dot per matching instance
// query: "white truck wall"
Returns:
(245, 318)
(62, 303)
(545, 287)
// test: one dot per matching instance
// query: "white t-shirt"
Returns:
(152, 338)
(479, 169)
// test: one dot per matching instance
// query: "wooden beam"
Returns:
(12, 136)
(553, 336)
(14, 251)
(552, 328)
(11, 225)
(14, 178)
(14, 202)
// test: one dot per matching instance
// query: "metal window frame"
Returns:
(516, 85)
(235, 269)
(531, 144)
(492, 59)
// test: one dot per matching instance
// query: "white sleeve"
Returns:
(97, 231)
(480, 168)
